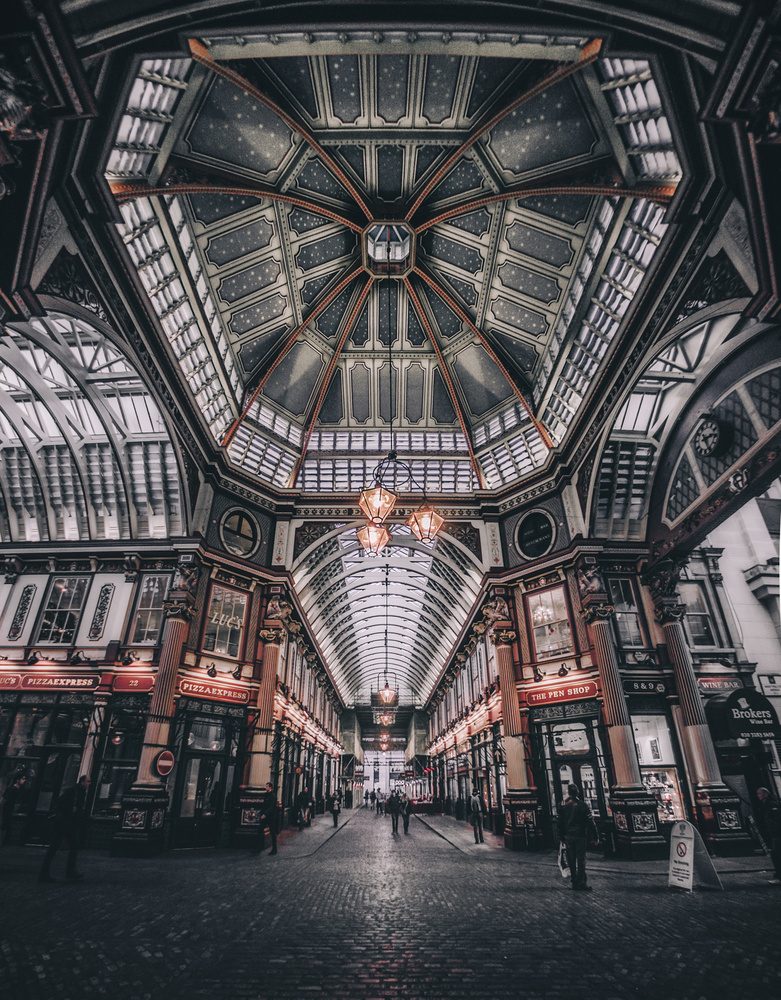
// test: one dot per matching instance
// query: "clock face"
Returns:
(707, 438)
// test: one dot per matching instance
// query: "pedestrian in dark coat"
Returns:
(394, 808)
(476, 816)
(269, 816)
(769, 819)
(406, 811)
(365, 799)
(373, 798)
(65, 824)
(335, 808)
(575, 821)
(304, 804)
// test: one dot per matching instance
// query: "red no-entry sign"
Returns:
(165, 763)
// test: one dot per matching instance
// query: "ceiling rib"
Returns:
(647, 192)
(492, 354)
(315, 312)
(328, 375)
(200, 54)
(588, 55)
(125, 192)
(448, 381)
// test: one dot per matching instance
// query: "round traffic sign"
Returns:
(165, 763)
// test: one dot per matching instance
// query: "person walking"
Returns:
(303, 804)
(365, 799)
(12, 796)
(335, 808)
(575, 821)
(269, 814)
(769, 819)
(65, 824)
(406, 811)
(379, 802)
(476, 812)
(373, 797)
(394, 807)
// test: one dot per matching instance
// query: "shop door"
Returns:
(573, 753)
(205, 781)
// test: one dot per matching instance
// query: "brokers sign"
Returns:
(750, 715)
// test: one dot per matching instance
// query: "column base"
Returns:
(522, 830)
(720, 822)
(141, 831)
(635, 831)
(246, 832)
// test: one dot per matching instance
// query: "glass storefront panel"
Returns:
(225, 622)
(657, 764)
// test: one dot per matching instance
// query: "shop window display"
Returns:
(121, 754)
(657, 765)
(225, 621)
(550, 623)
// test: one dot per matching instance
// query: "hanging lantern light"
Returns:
(373, 538)
(377, 503)
(425, 524)
(387, 695)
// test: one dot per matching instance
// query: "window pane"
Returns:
(627, 622)
(225, 622)
(149, 613)
(698, 620)
(550, 623)
(63, 610)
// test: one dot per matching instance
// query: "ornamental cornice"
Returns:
(272, 635)
(668, 610)
(179, 609)
(503, 637)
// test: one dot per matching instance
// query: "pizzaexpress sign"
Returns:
(749, 715)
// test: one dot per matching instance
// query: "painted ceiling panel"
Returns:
(293, 381)
(483, 383)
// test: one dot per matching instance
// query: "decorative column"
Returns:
(143, 808)
(260, 756)
(717, 807)
(521, 805)
(634, 808)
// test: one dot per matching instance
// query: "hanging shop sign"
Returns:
(49, 682)
(563, 692)
(645, 687)
(164, 763)
(215, 692)
(709, 684)
(133, 682)
(750, 715)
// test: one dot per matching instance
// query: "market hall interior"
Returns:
(391, 400)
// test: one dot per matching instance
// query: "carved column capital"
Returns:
(272, 635)
(503, 636)
(597, 612)
(662, 579)
(183, 609)
(668, 609)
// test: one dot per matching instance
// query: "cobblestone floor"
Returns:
(357, 914)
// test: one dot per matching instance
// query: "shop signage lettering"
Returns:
(751, 716)
(644, 687)
(128, 682)
(706, 684)
(232, 621)
(567, 692)
(56, 682)
(215, 692)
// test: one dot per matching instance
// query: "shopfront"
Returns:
(210, 750)
(661, 768)
(44, 724)
(568, 745)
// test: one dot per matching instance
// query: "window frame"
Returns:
(39, 641)
(707, 614)
(137, 610)
(611, 580)
(532, 627)
(238, 655)
(252, 521)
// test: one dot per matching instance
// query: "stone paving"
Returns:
(358, 914)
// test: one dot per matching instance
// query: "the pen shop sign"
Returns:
(749, 715)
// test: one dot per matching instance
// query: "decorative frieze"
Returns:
(101, 611)
(22, 609)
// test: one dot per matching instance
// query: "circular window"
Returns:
(240, 533)
(535, 534)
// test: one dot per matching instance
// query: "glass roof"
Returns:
(84, 450)
(530, 184)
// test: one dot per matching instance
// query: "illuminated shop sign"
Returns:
(49, 682)
(215, 692)
(565, 692)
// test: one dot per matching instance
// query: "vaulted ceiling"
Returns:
(529, 176)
